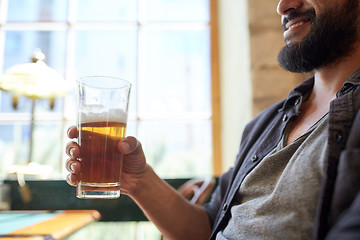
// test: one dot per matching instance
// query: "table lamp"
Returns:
(35, 80)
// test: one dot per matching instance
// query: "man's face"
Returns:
(317, 33)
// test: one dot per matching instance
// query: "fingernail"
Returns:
(125, 146)
(72, 168)
(72, 151)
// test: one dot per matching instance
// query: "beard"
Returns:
(331, 38)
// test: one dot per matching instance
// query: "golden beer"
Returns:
(100, 160)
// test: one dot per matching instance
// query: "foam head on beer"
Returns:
(113, 115)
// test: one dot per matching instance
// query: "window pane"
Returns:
(47, 145)
(19, 47)
(106, 10)
(23, 104)
(177, 10)
(13, 145)
(37, 11)
(106, 53)
(177, 61)
(109, 53)
(131, 128)
(178, 149)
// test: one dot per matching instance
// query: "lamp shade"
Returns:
(33, 80)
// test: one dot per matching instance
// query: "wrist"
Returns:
(152, 191)
(144, 183)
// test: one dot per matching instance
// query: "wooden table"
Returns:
(43, 224)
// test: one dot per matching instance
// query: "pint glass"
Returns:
(101, 120)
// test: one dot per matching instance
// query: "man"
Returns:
(297, 175)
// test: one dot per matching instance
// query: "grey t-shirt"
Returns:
(278, 198)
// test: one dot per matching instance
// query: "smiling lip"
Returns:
(293, 26)
(296, 23)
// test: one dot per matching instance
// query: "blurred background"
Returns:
(200, 70)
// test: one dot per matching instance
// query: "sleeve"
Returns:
(346, 200)
(348, 226)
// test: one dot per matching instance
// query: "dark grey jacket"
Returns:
(338, 211)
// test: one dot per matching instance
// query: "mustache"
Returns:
(296, 14)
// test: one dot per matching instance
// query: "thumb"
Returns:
(130, 146)
(134, 158)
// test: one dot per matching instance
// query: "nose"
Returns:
(284, 7)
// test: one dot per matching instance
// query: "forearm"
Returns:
(175, 217)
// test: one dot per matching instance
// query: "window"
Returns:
(165, 48)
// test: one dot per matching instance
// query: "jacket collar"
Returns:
(303, 90)
(299, 94)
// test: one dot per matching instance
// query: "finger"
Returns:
(71, 179)
(73, 132)
(73, 166)
(73, 150)
(130, 145)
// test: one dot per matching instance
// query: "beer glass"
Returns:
(102, 109)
